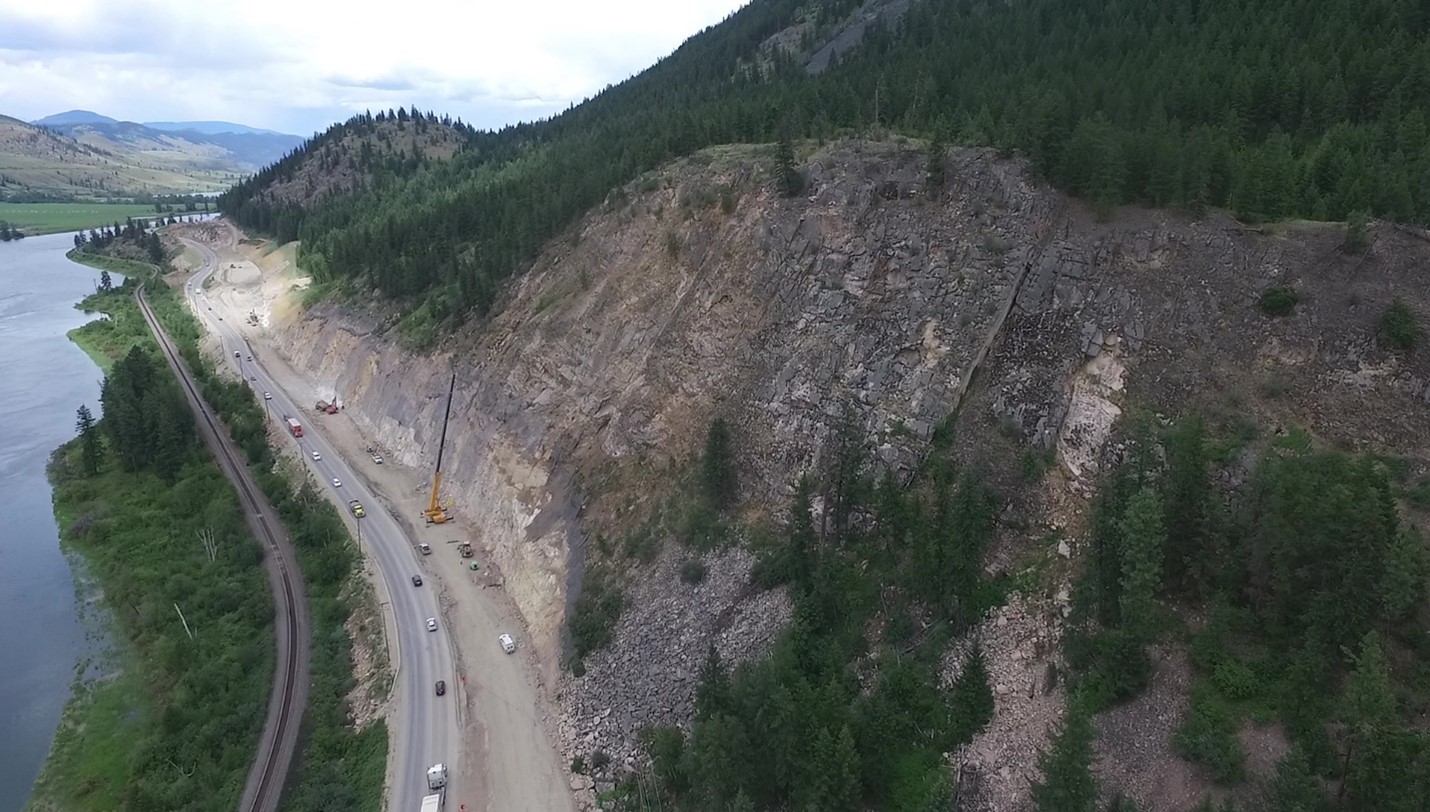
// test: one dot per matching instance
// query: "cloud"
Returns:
(298, 66)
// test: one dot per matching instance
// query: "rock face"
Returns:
(661, 310)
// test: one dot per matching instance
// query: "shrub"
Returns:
(692, 571)
(1207, 736)
(1234, 680)
(595, 613)
(1398, 326)
(578, 765)
(1278, 300)
(600, 760)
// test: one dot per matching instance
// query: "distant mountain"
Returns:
(210, 128)
(183, 146)
(74, 117)
(40, 161)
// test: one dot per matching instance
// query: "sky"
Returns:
(297, 66)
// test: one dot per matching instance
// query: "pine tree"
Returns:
(1407, 566)
(106, 283)
(937, 162)
(1067, 784)
(713, 694)
(719, 466)
(787, 175)
(1295, 788)
(972, 697)
(1186, 492)
(89, 440)
(1370, 780)
(1142, 540)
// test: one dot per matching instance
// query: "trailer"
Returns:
(432, 803)
(294, 427)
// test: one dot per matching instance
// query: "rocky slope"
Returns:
(698, 292)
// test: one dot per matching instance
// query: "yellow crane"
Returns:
(434, 514)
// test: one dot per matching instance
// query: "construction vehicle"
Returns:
(325, 407)
(294, 427)
(465, 548)
(434, 514)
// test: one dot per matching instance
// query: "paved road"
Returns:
(292, 628)
(425, 727)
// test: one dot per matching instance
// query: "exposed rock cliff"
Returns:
(699, 292)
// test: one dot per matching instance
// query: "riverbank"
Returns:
(336, 760)
(159, 528)
(54, 218)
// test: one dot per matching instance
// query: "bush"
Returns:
(692, 571)
(600, 760)
(595, 613)
(1278, 300)
(1234, 680)
(1207, 736)
(1398, 326)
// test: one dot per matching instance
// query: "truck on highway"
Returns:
(436, 786)
(295, 428)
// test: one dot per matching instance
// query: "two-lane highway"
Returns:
(425, 727)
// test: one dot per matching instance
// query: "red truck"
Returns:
(295, 428)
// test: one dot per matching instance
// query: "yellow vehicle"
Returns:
(434, 514)
(356, 507)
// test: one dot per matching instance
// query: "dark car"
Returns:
(441, 687)
(417, 580)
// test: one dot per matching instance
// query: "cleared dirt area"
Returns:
(508, 761)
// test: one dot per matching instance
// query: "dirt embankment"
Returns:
(577, 406)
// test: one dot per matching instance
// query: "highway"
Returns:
(424, 728)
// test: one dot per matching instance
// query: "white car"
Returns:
(267, 395)
(337, 483)
(507, 644)
(317, 456)
(377, 458)
(431, 624)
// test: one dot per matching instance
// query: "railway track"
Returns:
(278, 743)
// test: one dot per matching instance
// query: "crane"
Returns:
(434, 514)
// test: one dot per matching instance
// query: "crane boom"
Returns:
(434, 512)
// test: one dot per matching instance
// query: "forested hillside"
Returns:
(1304, 108)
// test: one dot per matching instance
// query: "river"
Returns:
(43, 379)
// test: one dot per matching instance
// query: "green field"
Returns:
(49, 218)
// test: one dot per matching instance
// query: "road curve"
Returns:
(278, 742)
(425, 729)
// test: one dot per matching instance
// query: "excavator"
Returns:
(434, 514)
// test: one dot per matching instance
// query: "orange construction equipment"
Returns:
(434, 514)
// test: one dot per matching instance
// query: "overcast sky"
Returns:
(297, 65)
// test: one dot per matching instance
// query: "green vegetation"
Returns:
(1311, 108)
(1312, 588)
(1398, 326)
(49, 218)
(841, 716)
(1278, 300)
(337, 763)
(161, 530)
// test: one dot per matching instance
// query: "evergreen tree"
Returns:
(1295, 788)
(1142, 540)
(713, 694)
(1407, 567)
(719, 466)
(106, 283)
(1186, 492)
(937, 162)
(973, 702)
(1371, 780)
(787, 176)
(89, 440)
(1067, 784)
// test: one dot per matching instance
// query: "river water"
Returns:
(43, 379)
